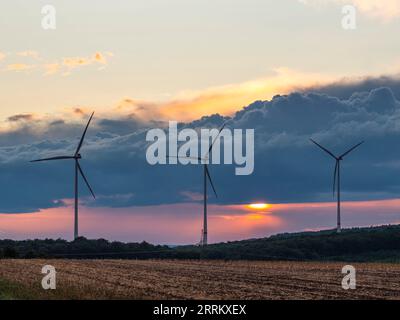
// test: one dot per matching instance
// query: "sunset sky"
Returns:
(225, 53)
(142, 63)
(179, 224)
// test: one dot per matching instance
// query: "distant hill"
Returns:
(357, 244)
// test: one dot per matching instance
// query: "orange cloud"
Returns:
(19, 67)
(75, 62)
(64, 66)
(225, 100)
(98, 57)
(372, 205)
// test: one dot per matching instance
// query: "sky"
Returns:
(286, 68)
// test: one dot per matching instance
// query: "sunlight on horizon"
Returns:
(259, 206)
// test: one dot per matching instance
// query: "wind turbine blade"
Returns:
(209, 178)
(87, 182)
(53, 158)
(326, 150)
(350, 150)
(334, 178)
(83, 135)
(219, 132)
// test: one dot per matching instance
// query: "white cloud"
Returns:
(383, 9)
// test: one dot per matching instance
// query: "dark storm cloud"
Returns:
(288, 168)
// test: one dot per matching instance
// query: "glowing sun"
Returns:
(258, 206)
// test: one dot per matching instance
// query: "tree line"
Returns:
(357, 244)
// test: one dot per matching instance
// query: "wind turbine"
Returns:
(207, 176)
(78, 170)
(336, 177)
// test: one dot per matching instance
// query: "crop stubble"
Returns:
(204, 279)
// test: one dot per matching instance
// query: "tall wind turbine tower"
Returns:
(78, 171)
(206, 176)
(336, 177)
